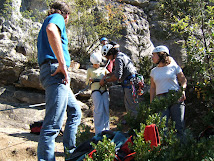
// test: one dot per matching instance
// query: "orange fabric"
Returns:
(151, 133)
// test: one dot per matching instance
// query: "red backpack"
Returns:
(151, 133)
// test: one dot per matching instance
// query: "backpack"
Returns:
(124, 153)
(151, 133)
(81, 150)
(86, 149)
(121, 140)
(35, 128)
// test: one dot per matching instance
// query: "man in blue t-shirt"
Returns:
(54, 59)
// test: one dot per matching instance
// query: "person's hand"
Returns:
(183, 97)
(102, 82)
(91, 80)
(62, 69)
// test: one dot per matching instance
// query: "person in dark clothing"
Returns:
(124, 71)
(110, 63)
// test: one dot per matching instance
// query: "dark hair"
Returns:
(164, 58)
(113, 51)
(59, 7)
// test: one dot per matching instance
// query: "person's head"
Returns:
(109, 51)
(95, 59)
(103, 40)
(161, 55)
(61, 8)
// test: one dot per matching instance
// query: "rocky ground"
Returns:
(16, 141)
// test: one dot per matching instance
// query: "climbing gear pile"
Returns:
(137, 85)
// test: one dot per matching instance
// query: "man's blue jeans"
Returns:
(59, 98)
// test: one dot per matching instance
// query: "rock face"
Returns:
(137, 41)
(18, 38)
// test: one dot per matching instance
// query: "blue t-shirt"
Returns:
(44, 49)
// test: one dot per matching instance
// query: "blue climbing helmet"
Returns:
(103, 39)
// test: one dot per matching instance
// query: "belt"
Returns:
(52, 61)
(162, 94)
(130, 76)
(126, 82)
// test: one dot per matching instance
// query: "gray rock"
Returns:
(29, 97)
(116, 98)
(30, 79)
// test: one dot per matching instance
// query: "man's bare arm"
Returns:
(54, 39)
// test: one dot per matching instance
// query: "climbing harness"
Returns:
(98, 80)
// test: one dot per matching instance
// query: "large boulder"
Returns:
(30, 79)
(29, 97)
(11, 63)
(137, 41)
(78, 85)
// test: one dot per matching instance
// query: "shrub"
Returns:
(105, 150)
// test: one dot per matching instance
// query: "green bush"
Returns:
(83, 133)
(105, 150)
(170, 148)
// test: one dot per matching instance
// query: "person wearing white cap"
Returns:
(164, 77)
(100, 94)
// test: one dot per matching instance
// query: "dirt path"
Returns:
(15, 146)
(16, 141)
(20, 145)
